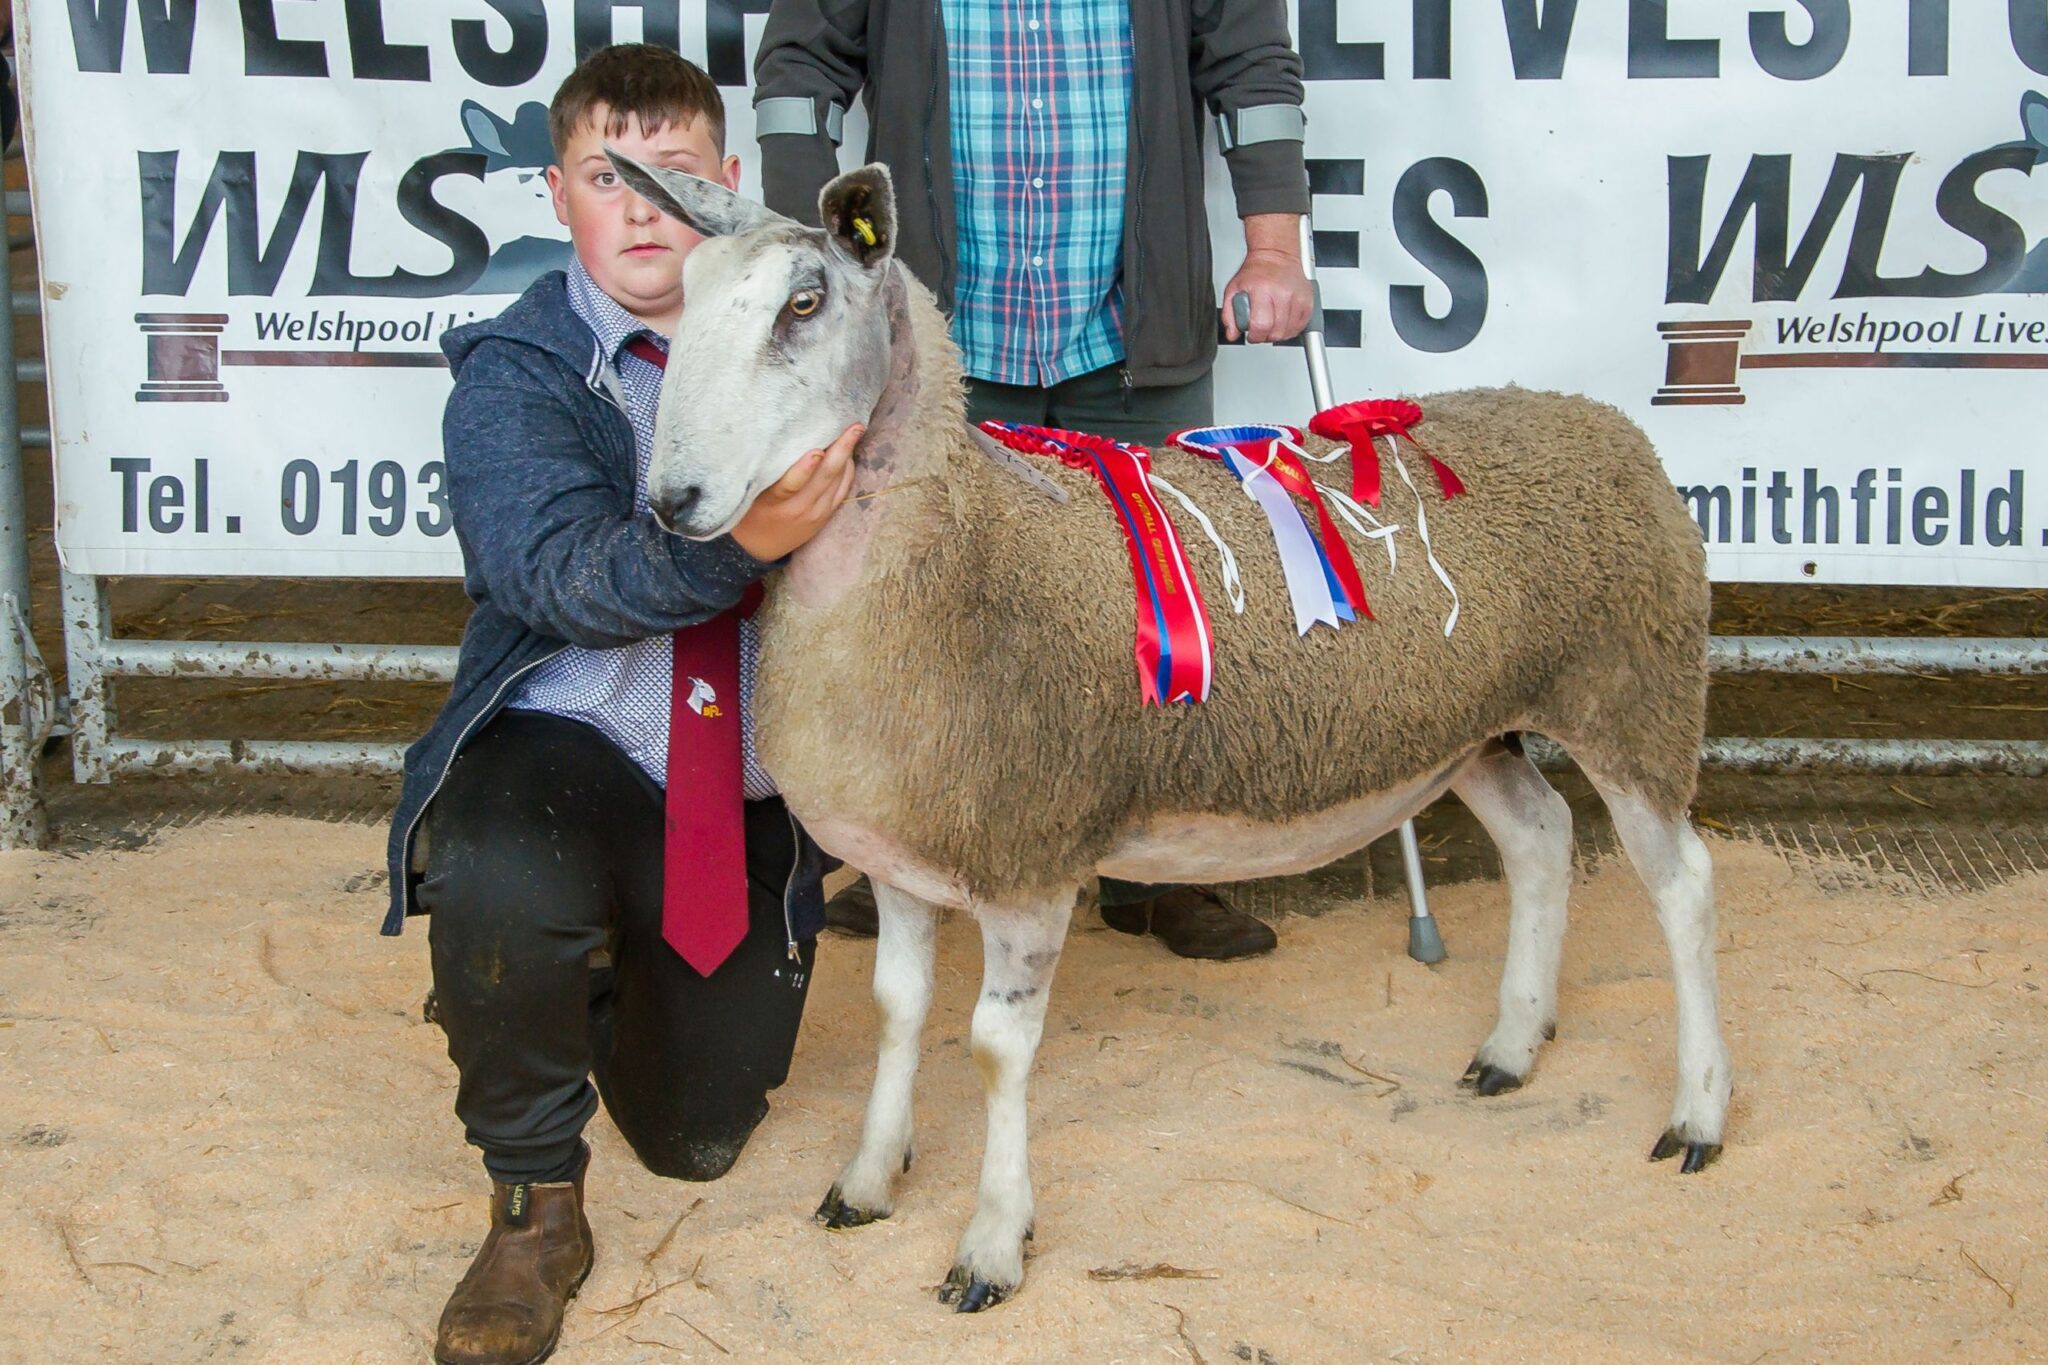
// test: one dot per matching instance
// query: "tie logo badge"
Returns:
(703, 699)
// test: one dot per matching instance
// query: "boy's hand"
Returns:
(796, 507)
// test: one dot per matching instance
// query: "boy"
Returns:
(533, 817)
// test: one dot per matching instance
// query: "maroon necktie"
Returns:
(704, 849)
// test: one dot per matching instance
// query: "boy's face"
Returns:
(632, 250)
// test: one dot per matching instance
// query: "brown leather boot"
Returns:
(508, 1308)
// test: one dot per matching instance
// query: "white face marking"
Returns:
(754, 381)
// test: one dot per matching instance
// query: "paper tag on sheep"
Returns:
(1008, 460)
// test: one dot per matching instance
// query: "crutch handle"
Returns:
(1241, 313)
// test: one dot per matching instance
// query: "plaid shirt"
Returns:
(1041, 103)
(624, 692)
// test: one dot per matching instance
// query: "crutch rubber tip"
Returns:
(1425, 944)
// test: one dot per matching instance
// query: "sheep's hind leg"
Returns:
(1020, 951)
(1531, 825)
(866, 1190)
(1674, 866)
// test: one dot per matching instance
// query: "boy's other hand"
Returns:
(796, 507)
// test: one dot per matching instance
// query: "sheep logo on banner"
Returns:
(2032, 276)
(517, 153)
(703, 699)
(1861, 326)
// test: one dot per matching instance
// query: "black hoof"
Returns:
(969, 1293)
(906, 1160)
(1488, 1079)
(1698, 1155)
(836, 1213)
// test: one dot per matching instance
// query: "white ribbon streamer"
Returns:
(1233, 586)
(1351, 512)
(1422, 533)
(1337, 454)
(1301, 563)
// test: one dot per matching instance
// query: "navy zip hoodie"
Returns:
(540, 478)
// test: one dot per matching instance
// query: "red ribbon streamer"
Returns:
(1355, 424)
(1176, 660)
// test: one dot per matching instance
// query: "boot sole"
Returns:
(553, 1341)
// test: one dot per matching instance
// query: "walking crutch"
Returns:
(1425, 944)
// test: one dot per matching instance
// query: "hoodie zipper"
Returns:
(796, 842)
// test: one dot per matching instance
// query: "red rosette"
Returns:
(1070, 448)
(1356, 424)
(1368, 416)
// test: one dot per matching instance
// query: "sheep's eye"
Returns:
(804, 302)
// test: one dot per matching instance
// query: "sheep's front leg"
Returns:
(1020, 950)
(866, 1190)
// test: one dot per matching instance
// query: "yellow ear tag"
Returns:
(865, 231)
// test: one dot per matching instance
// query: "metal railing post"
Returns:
(23, 714)
(92, 703)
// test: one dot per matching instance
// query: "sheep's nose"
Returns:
(671, 510)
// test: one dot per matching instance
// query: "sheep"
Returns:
(945, 693)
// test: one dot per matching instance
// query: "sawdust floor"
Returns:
(226, 1135)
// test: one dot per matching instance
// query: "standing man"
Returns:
(1048, 163)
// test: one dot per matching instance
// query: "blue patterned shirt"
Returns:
(624, 692)
(1041, 106)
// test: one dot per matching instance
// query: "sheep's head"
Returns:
(784, 341)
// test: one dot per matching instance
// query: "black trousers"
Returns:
(1098, 401)
(543, 846)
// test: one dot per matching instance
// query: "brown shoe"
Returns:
(1194, 921)
(508, 1308)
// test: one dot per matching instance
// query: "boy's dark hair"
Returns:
(655, 84)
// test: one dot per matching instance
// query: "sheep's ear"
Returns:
(858, 210)
(709, 208)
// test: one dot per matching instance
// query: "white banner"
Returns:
(1800, 241)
